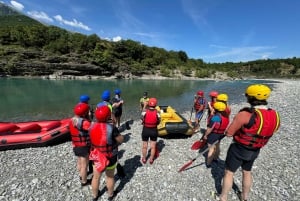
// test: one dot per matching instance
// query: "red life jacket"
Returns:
(101, 138)
(151, 119)
(200, 101)
(79, 136)
(261, 127)
(220, 127)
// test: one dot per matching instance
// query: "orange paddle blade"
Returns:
(198, 144)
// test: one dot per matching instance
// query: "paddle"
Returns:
(201, 153)
(198, 144)
(191, 113)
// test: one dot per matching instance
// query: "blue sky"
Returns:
(212, 30)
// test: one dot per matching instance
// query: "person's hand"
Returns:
(205, 137)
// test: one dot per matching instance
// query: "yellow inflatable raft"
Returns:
(172, 122)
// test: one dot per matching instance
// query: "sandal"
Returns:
(143, 160)
(151, 161)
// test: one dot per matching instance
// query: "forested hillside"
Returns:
(29, 48)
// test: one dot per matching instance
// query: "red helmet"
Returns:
(152, 102)
(200, 93)
(81, 109)
(102, 113)
(213, 94)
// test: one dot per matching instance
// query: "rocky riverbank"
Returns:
(49, 173)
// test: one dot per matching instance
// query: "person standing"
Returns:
(224, 99)
(79, 126)
(144, 101)
(210, 104)
(150, 120)
(218, 122)
(117, 109)
(199, 107)
(251, 130)
(105, 139)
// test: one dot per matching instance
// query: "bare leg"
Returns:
(217, 151)
(210, 155)
(153, 149)
(227, 185)
(83, 163)
(247, 183)
(110, 182)
(95, 182)
(144, 149)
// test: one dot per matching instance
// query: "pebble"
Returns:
(49, 173)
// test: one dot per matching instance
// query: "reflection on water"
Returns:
(36, 99)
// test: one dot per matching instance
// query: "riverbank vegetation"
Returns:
(29, 48)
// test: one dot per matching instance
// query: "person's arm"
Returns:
(117, 136)
(239, 120)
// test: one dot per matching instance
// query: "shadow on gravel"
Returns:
(125, 125)
(217, 172)
(130, 167)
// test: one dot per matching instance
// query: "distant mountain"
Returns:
(11, 17)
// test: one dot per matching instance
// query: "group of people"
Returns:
(97, 140)
(251, 128)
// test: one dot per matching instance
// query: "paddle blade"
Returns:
(186, 166)
(198, 144)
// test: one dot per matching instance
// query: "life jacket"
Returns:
(261, 127)
(79, 136)
(105, 103)
(220, 127)
(151, 119)
(200, 101)
(102, 140)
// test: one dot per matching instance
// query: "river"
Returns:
(37, 99)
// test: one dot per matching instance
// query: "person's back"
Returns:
(105, 139)
(251, 129)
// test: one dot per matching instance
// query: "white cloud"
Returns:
(17, 5)
(41, 16)
(73, 23)
(237, 54)
(117, 38)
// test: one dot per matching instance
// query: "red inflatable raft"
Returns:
(34, 133)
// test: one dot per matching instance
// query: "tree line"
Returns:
(24, 40)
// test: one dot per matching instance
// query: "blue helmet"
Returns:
(105, 95)
(118, 91)
(84, 98)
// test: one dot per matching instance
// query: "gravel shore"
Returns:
(49, 173)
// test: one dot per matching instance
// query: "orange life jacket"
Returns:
(261, 127)
(151, 119)
(79, 136)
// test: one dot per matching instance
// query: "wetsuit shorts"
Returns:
(212, 137)
(81, 151)
(112, 163)
(240, 156)
(151, 133)
(118, 112)
(199, 115)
